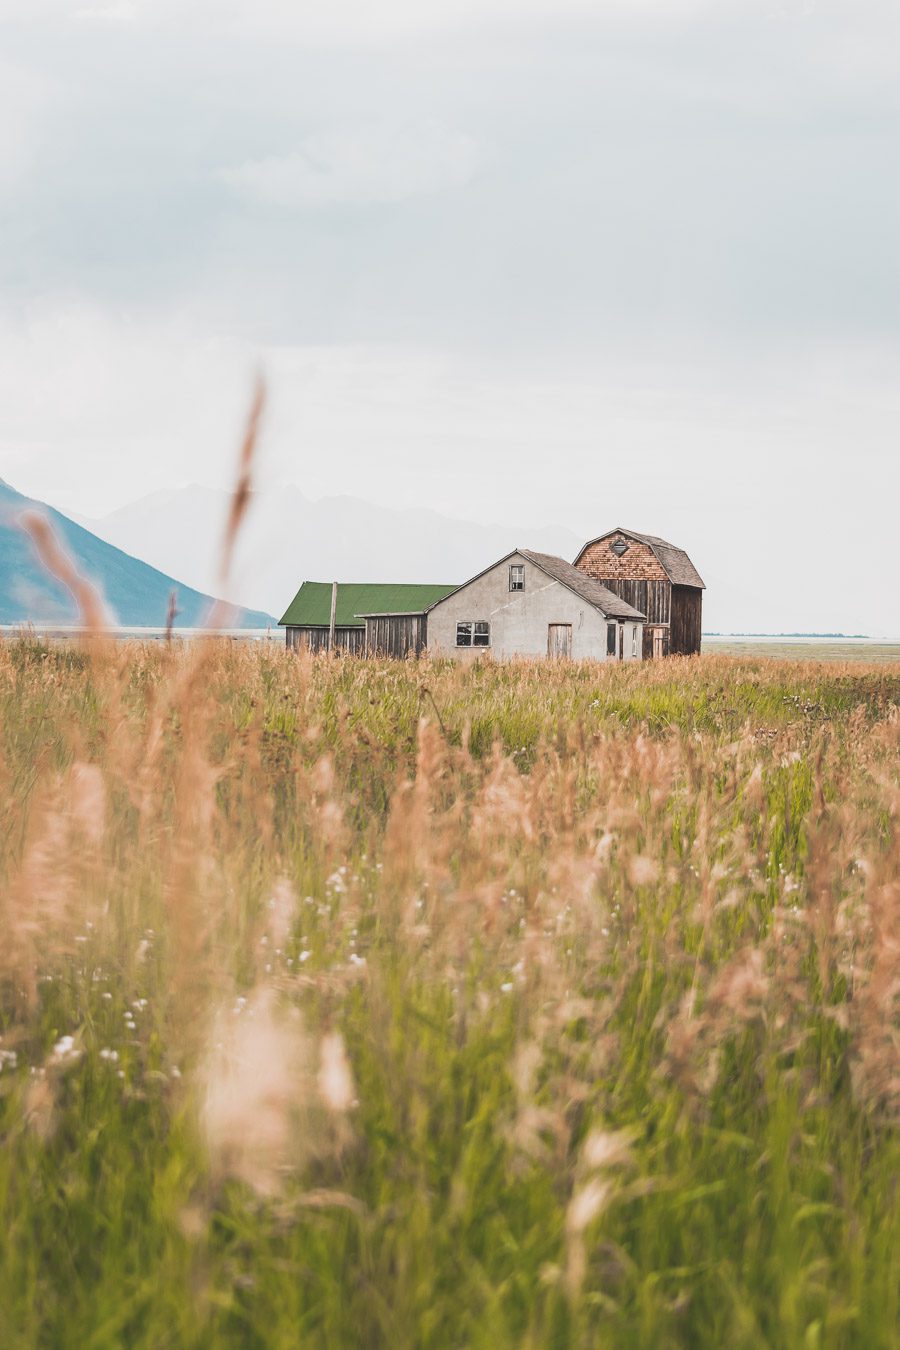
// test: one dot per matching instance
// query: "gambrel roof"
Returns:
(593, 592)
(674, 561)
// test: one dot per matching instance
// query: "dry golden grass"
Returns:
(402, 1004)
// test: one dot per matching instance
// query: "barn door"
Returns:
(559, 640)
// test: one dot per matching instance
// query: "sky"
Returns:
(570, 262)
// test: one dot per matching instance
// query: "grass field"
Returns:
(796, 649)
(365, 1004)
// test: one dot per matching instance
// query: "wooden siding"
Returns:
(656, 642)
(687, 607)
(397, 635)
(638, 562)
(639, 579)
(352, 640)
(650, 597)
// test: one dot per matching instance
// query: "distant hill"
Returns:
(136, 593)
(288, 538)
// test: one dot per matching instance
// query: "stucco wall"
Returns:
(520, 619)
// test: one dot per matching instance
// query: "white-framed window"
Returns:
(473, 633)
(517, 576)
(634, 633)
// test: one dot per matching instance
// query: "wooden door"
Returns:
(559, 640)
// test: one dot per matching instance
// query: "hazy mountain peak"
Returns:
(136, 592)
(288, 538)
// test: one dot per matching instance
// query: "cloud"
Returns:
(110, 11)
(367, 165)
(25, 97)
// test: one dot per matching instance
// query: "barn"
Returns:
(657, 578)
(534, 604)
(307, 621)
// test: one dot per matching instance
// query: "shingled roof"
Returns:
(674, 561)
(594, 592)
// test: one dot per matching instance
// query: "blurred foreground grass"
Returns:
(361, 1003)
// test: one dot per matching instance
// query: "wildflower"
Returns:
(65, 1053)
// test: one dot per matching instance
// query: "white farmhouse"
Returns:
(532, 604)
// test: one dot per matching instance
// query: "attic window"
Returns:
(619, 547)
(517, 577)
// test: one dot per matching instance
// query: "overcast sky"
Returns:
(537, 261)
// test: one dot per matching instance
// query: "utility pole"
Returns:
(331, 621)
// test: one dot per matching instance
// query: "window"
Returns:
(634, 642)
(517, 577)
(473, 633)
(618, 547)
(610, 639)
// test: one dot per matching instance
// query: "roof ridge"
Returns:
(586, 587)
(677, 565)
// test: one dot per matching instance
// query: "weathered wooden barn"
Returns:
(627, 596)
(658, 579)
(534, 604)
(307, 620)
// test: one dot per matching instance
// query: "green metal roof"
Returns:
(311, 606)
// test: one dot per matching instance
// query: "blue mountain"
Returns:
(137, 593)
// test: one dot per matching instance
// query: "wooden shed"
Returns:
(399, 635)
(307, 619)
(657, 578)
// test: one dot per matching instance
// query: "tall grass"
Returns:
(398, 1004)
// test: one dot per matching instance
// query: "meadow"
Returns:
(799, 649)
(352, 1003)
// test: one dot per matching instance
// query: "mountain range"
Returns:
(287, 538)
(136, 592)
(137, 551)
